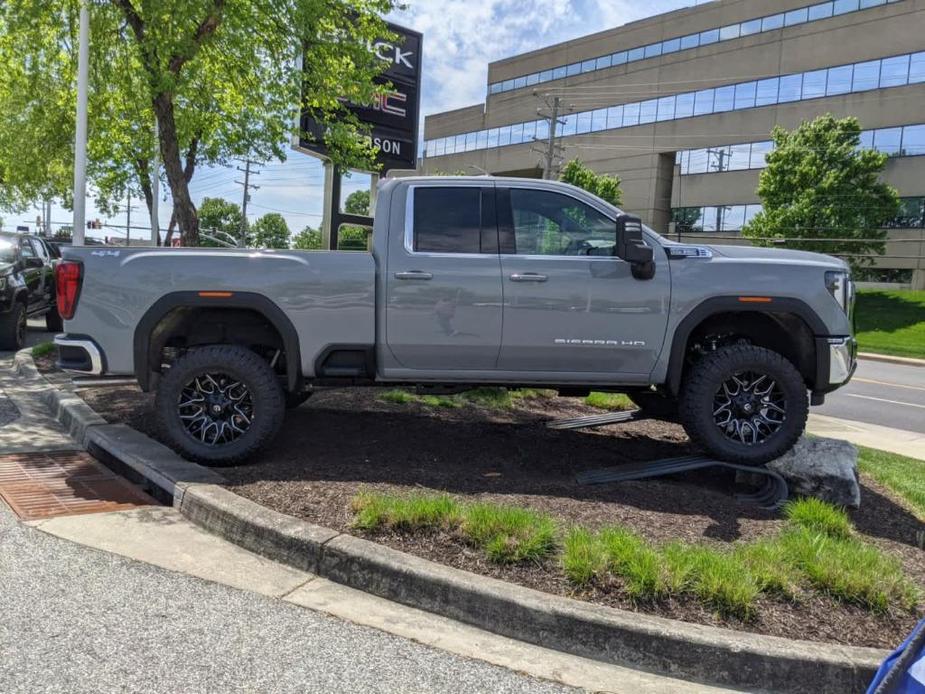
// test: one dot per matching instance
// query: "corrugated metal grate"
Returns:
(44, 485)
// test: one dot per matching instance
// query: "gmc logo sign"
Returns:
(393, 117)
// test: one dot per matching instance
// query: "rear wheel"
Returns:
(13, 328)
(218, 405)
(744, 404)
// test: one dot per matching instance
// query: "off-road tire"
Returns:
(242, 364)
(706, 377)
(294, 400)
(655, 404)
(53, 322)
(13, 328)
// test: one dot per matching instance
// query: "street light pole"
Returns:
(80, 141)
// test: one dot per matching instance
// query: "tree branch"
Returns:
(206, 28)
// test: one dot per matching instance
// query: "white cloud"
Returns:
(462, 36)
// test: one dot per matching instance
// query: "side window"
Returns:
(448, 220)
(554, 224)
(26, 248)
(40, 249)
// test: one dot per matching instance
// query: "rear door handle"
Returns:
(528, 277)
(414, 275)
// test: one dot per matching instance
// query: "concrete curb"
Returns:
(890, 359)
(679, 649)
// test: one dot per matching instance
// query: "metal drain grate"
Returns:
(44, 485)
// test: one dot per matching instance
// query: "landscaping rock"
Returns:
(823, 468)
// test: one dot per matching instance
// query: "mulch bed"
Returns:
(345, 441)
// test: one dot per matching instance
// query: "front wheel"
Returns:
(13, 328)
(218, 405)
(744, 404)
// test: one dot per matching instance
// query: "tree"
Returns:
(823, 193)
(308, 239)
(218, 76)
(219, 217)
(271, 231)
(351, 236)
(604, 186)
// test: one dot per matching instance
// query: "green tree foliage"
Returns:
(218, 76)
(823, 193)
(307, 240)
(352, 237)
(220, 218)
(604, 186)
(271, 231)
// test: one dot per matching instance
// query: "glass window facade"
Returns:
(902, 141)
(811, 13)
(732, 218)
(888, 72)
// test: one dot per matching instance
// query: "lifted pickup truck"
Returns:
(27, 287)
(470, 282)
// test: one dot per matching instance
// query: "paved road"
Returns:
(73, 619)
(889, 395)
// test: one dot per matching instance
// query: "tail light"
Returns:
(68, 277)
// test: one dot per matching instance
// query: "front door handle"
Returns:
(528, 277)
(414, 275)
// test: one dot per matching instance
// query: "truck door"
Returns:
(33, 272)
(570, 305)
(443, 284)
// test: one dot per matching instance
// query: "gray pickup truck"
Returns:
(471, 281)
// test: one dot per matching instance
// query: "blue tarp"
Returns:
(904, 671)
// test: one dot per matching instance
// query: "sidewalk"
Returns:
(907, 443)
(890, 359)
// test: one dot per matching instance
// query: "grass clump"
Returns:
(718, 579)
(613, 402)
(490, 398)
(509, 534)
(631, 557)
(43, 349)
(904, 476)
(398, 396)
(849, 570)
(770, 567)
(818, 516)
(380, 511)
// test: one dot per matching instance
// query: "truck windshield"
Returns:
(7, 251)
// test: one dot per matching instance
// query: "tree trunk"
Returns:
(183, 208)
(143, 171)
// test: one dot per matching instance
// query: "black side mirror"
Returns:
(632, 248)
(34, 262)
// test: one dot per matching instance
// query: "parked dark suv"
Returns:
(27, 287)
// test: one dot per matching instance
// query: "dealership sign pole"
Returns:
(393, 120)
(80, 140)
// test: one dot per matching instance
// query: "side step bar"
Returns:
(599, 420)
(770, 496)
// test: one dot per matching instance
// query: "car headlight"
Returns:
(841, 288)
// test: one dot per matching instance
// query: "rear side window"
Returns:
(448, 220)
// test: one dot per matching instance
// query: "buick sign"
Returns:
(393, 117)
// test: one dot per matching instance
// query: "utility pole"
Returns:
(247, 186)
(552, 152)
(128, 219)
(155, 188)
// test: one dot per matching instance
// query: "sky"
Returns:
(460, 38)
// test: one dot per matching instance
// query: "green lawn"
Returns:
(905, 476)
(892, 323)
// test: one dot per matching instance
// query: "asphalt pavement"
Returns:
(889, 395)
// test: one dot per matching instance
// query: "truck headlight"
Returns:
(841, 288)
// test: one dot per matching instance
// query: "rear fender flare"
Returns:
(238, 300)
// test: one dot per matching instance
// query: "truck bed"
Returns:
(328, 296)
